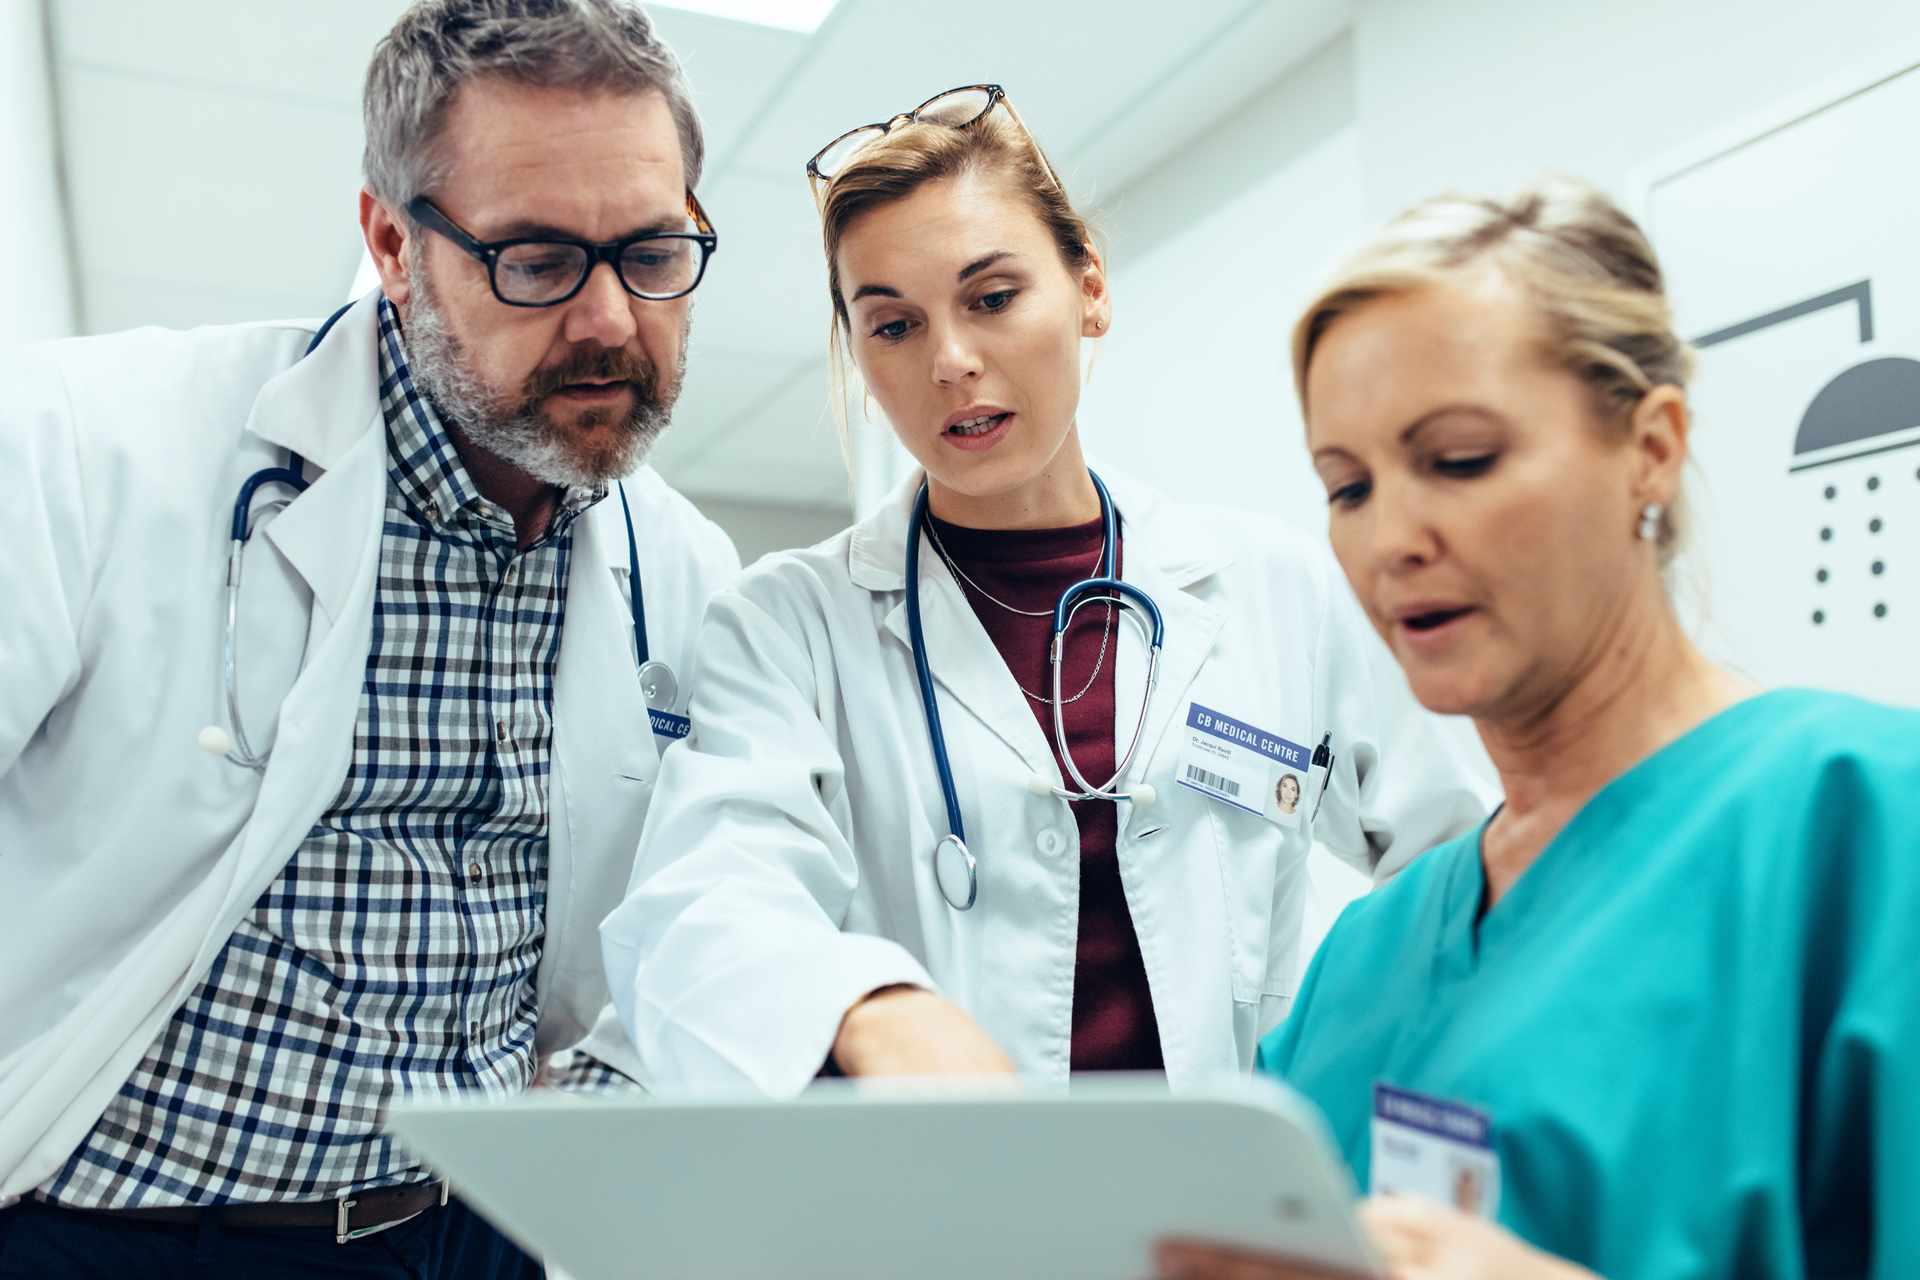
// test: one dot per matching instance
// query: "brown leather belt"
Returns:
(351, 1216)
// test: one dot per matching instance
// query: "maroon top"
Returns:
(1113, 1023)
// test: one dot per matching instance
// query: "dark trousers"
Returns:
(40, 1242)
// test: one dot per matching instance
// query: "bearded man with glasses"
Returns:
(222, 964)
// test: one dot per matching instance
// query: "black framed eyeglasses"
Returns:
(545, 271)
(956, 109)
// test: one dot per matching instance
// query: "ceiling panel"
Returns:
(765, 290)
(722, 393)
(213, 150)
(729, 64)
(181, 186)
(274, 48)
(787, 452)
(1255, 47)
(1112, 90)
(1072, 67)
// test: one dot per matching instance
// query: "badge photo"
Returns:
(1287, 797)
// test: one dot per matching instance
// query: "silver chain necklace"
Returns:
(1106, 631)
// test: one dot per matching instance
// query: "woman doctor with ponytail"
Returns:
(813, 894)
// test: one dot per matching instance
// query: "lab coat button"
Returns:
(1051, 842)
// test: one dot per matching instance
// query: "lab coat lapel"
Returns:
(604, 763)
(963, 658)
(325, 407)
(1163, 554)
(314, 741)
(968, 667)
(1192, 626)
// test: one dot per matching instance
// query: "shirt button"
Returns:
(432, 513)
(500, 726)
(512, 569)
(1051, 842)
(473, 871)
(473, 1031)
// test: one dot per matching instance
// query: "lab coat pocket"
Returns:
(1249, 850)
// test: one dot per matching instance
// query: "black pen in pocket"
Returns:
(1322, 759)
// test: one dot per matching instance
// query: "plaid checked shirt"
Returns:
(396, 951)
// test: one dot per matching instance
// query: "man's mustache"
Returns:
(595, 364)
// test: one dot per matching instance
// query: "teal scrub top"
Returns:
(1694, 1020)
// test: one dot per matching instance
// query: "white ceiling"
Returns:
(212, 150)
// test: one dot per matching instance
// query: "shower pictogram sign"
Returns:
(1793, 255)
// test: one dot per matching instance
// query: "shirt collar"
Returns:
(1177, 537)
(422, 461)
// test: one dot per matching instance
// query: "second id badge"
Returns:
(1249, 768)
(1433, 1147)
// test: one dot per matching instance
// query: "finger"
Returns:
(1195, 1260)
(1407, 1229)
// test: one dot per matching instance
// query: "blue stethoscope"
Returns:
(954, 867)
(657, 683)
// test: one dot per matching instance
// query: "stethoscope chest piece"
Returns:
(658, 685)
(954, 868)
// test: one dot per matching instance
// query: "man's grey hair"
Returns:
(440, 45)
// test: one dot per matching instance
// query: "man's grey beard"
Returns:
(517, 430)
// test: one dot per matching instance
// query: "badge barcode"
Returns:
(1213, 781)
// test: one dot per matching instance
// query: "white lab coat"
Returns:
(128, 853)
(786, 868)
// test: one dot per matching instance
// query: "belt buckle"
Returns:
(342, 1233)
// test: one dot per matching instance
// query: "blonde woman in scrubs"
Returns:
(1682, 998)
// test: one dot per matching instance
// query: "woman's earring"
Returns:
(1099, 324)
(1650, 521)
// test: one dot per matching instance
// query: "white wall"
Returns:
(1486, 93)
(1192, 391)
(1210, 257)
(759, 527)
(37, 300)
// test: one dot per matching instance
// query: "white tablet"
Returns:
(853, 1183)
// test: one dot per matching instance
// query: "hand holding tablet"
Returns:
(862, 1181)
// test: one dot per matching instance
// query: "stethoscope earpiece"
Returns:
(214, 740)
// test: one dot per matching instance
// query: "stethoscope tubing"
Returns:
(1105, 586)
(923, 672)
(1055, 660)
(633, 582)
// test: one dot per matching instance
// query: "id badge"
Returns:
(668, 725)
(1232, 761)
(1436, 1148)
